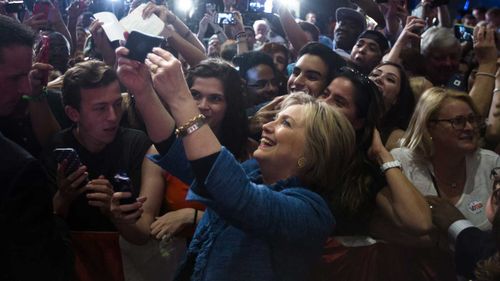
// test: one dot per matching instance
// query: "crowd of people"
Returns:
(361, 148)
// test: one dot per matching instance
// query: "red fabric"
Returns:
(97, 256)
(383, 262)
(175, 198)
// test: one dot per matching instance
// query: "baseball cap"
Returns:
(348, 13)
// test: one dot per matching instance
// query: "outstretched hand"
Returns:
(168, 78)
(134, 75)
(484, 44)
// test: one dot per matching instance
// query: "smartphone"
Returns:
(14, 7)
(41, 7)
(225, 18)
(122, 183)
(43, 57)
(72, 159)
(140, 44)
(463, 33)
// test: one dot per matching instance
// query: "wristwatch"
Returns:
(389, 165)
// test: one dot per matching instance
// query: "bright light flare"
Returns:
(293, 5)
(184, 5)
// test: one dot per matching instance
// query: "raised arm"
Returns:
(171, 19)
(294, 33)
(486, 55)
(400, 201)
(136, 76)
(409, 34)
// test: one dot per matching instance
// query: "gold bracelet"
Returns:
(191, 126)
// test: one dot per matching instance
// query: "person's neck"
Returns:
(447, 165)
(270, 174)
(87, 142)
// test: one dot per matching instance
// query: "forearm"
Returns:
(159, 123)
(484, 84)
(201, 142)
(43, 122)
(189, 52)
(294, 33)
(394, 54)
(137, 233)
(181, 28)
(405, 203)
(493, 126)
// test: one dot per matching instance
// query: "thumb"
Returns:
(101, 177)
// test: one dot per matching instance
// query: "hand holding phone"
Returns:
(225, 18)
(42, 7)
(140, 44)
(122, 183)
(14, 7)
(69, 158)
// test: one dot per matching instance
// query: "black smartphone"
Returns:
(122, 183)
(140, 44)
(463, 33)
(72, 159)
(14, 7)
(225, 18)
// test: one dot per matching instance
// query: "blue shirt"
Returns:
(252, 231)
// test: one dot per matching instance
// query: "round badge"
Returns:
(475, 207)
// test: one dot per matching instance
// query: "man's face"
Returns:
(345, 34)
(262, 84)
(441, 64)
(100, 113)
(15, 65)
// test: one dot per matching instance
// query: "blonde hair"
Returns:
(417, 137)
(330, 144)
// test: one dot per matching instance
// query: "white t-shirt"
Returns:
(478, 185)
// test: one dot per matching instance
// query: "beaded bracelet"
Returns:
(191, 126)
(486, 74)
(37, 98)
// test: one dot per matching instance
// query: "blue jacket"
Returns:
(252, 231)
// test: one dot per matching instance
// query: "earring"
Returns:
(301, 162)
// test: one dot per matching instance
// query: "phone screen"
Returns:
(225, 18)
(41, 8)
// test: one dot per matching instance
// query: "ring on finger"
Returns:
(154, 68)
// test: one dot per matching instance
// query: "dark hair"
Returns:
(399, 115)
(332, 60)
(249, 60)
(234, 126)
(14, 33)
(228, 50)
(271, 48)
(353, 198)
(311, 28)
(85, 75)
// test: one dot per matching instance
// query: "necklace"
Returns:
(453, 184)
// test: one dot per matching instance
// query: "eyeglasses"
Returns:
(458, 123)
(261, 84)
